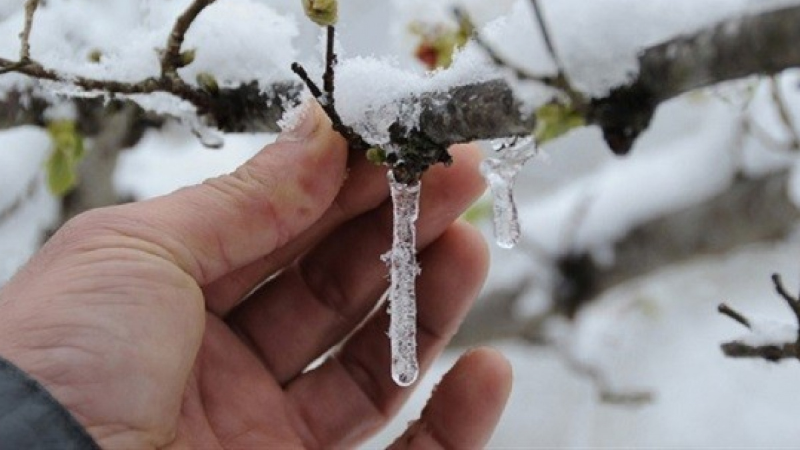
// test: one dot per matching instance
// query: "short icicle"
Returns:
(207, 136)
(403, 271)
(500, 173)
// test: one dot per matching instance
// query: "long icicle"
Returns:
(403, 271)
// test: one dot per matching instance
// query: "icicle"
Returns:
(500, 173)
(207, 136)
(403, 271)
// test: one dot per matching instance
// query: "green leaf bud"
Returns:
(207, 82)
(187, 57)
(376, 155)
(67, 152)
(323, 12)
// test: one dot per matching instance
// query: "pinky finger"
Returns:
(466, 406)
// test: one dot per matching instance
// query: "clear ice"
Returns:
(208, 137)
(403, 271)
(500, 173)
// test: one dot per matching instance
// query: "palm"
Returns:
(246, 413)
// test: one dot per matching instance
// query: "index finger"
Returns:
(225, 223)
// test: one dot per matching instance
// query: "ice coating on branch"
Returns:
(500, 173)
(403, 271)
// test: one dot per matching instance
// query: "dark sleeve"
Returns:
(30, 418)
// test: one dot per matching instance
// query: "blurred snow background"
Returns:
(659, 333)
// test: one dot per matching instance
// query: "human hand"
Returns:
(132, 316)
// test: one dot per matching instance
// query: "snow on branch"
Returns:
(769, 341)
(763, 43)
(760, 44)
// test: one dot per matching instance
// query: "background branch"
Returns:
(25, 36)
(761, 44)
(171, 60)
(750, 211)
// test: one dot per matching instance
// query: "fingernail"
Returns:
(300, 123)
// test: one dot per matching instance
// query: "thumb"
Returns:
(465, 407)
(229, 221)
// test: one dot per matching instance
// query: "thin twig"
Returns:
(494, 55)
(171, 60)
(548, 41)
(772, 352)
(300, 71)
(733, 314)
(25, 35)
(793, 302)
(328, 78)
(558, 81)
(169, 82)
(148, 86)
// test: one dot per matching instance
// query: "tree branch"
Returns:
(25, 35)
(758, 44)
(726, 310)
(750, 211)
(761, 44)
(171, 61)
(771, 353)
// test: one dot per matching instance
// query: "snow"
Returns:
(669, 172)
(257, 25)
(765, 331)
(370, 91)
(131, 35)
(168, 159)
(659, 333)
(23, 151)
(403, 272)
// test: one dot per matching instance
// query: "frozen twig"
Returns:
(325, 96)
(726, 310)
(171, 60)
(148, 86)
(764, 43)
(792, 301)
(329, 77)
(769, 352)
